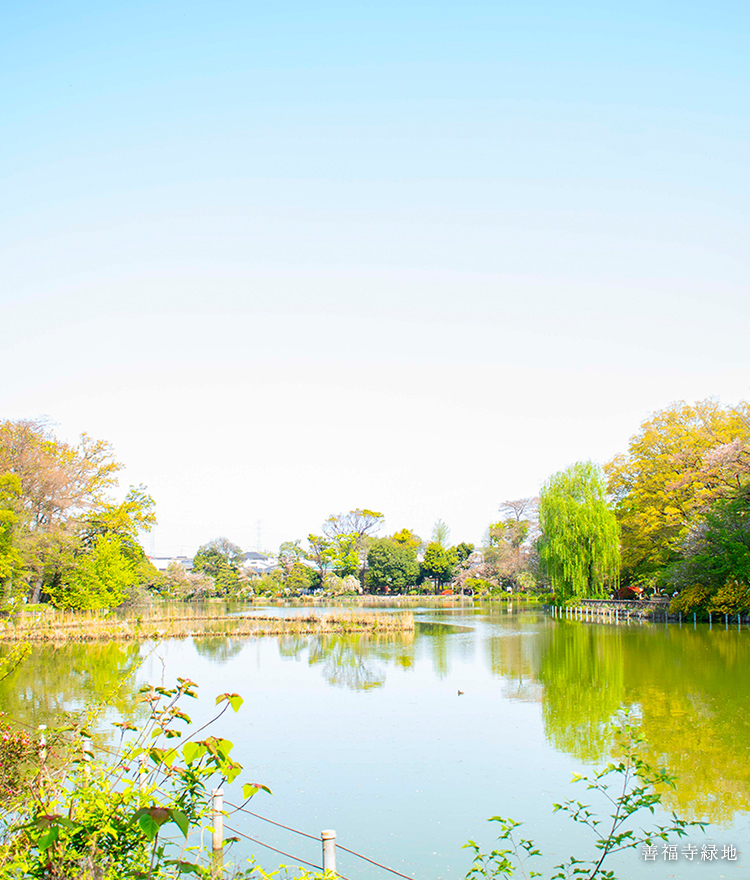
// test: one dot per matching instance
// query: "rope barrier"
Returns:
(278, 824)
(242, 809)
(372, 862)
(312, 837)
(279, 851)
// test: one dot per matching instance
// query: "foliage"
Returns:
(322, 553)
(407, 538)
(438, 564)
(219, 559)
(10, 559)
(351, 533)
(18, 752)
(338, 586)
(441, 534)
(121, 814)
(683, 459)
(579, 537)
(100, 578)
(290, 552)
(57, 513)
(391, 566)
(628, 787)
(302, 577)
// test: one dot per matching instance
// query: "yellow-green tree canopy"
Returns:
(579, 543)
(683, 459)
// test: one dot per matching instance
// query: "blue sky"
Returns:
(296, 258)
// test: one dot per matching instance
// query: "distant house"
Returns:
(162, 563)
(258, 563)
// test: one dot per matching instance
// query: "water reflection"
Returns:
(72, 677)
(220, 649)
(688, 687)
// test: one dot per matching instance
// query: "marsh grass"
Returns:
(69, 626)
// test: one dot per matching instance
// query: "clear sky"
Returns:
(299, 257)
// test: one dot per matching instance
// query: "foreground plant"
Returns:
(628, 787)
(128, 814)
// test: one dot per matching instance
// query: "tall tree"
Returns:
(322, 553)
(391, 566)
(438, 564)
(352, 532)
(441, 534)
(682, 460)
(579, 544)
(60, 483)
(219, 559)
(290, 552)
(10, 559)
(520, 509)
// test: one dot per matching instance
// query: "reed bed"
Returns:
(96, 628)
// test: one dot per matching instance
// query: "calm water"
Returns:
(369, 735)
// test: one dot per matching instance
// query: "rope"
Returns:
(312, 837)
(377, 864)
(279, 851)
(278, 824)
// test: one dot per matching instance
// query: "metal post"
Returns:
(329, 850)
(217, 820)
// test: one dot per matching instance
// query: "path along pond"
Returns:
(369, 735)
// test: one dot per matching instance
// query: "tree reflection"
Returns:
(688, 690)
(72, 678)
(220, 649)
(347, 661)
(582, 674)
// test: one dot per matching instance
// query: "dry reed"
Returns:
(68, 627)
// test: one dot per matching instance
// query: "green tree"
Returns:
(101, 578)
(391, 566)
(714, 573)
(10, 558)
(322, 553)
(579, 544)
(438, 564)
(407, 538)
(352, 532)
(682, 460)
(219, 559)
(301, 577)
(463, 551)
(60, 483)
(289, 553)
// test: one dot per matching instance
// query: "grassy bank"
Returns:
(62, 627)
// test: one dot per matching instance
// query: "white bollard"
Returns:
(329, 850)
(217, 820)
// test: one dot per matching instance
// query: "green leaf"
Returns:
(181, 820)
(235, 700)
(48, 838)
(193, 751)
(251, 788)
(148, 825)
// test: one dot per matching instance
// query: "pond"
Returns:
(369, 735)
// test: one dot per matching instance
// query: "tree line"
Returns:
(669, 516)
(350, 556)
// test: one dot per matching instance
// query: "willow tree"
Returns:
(579, 543)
